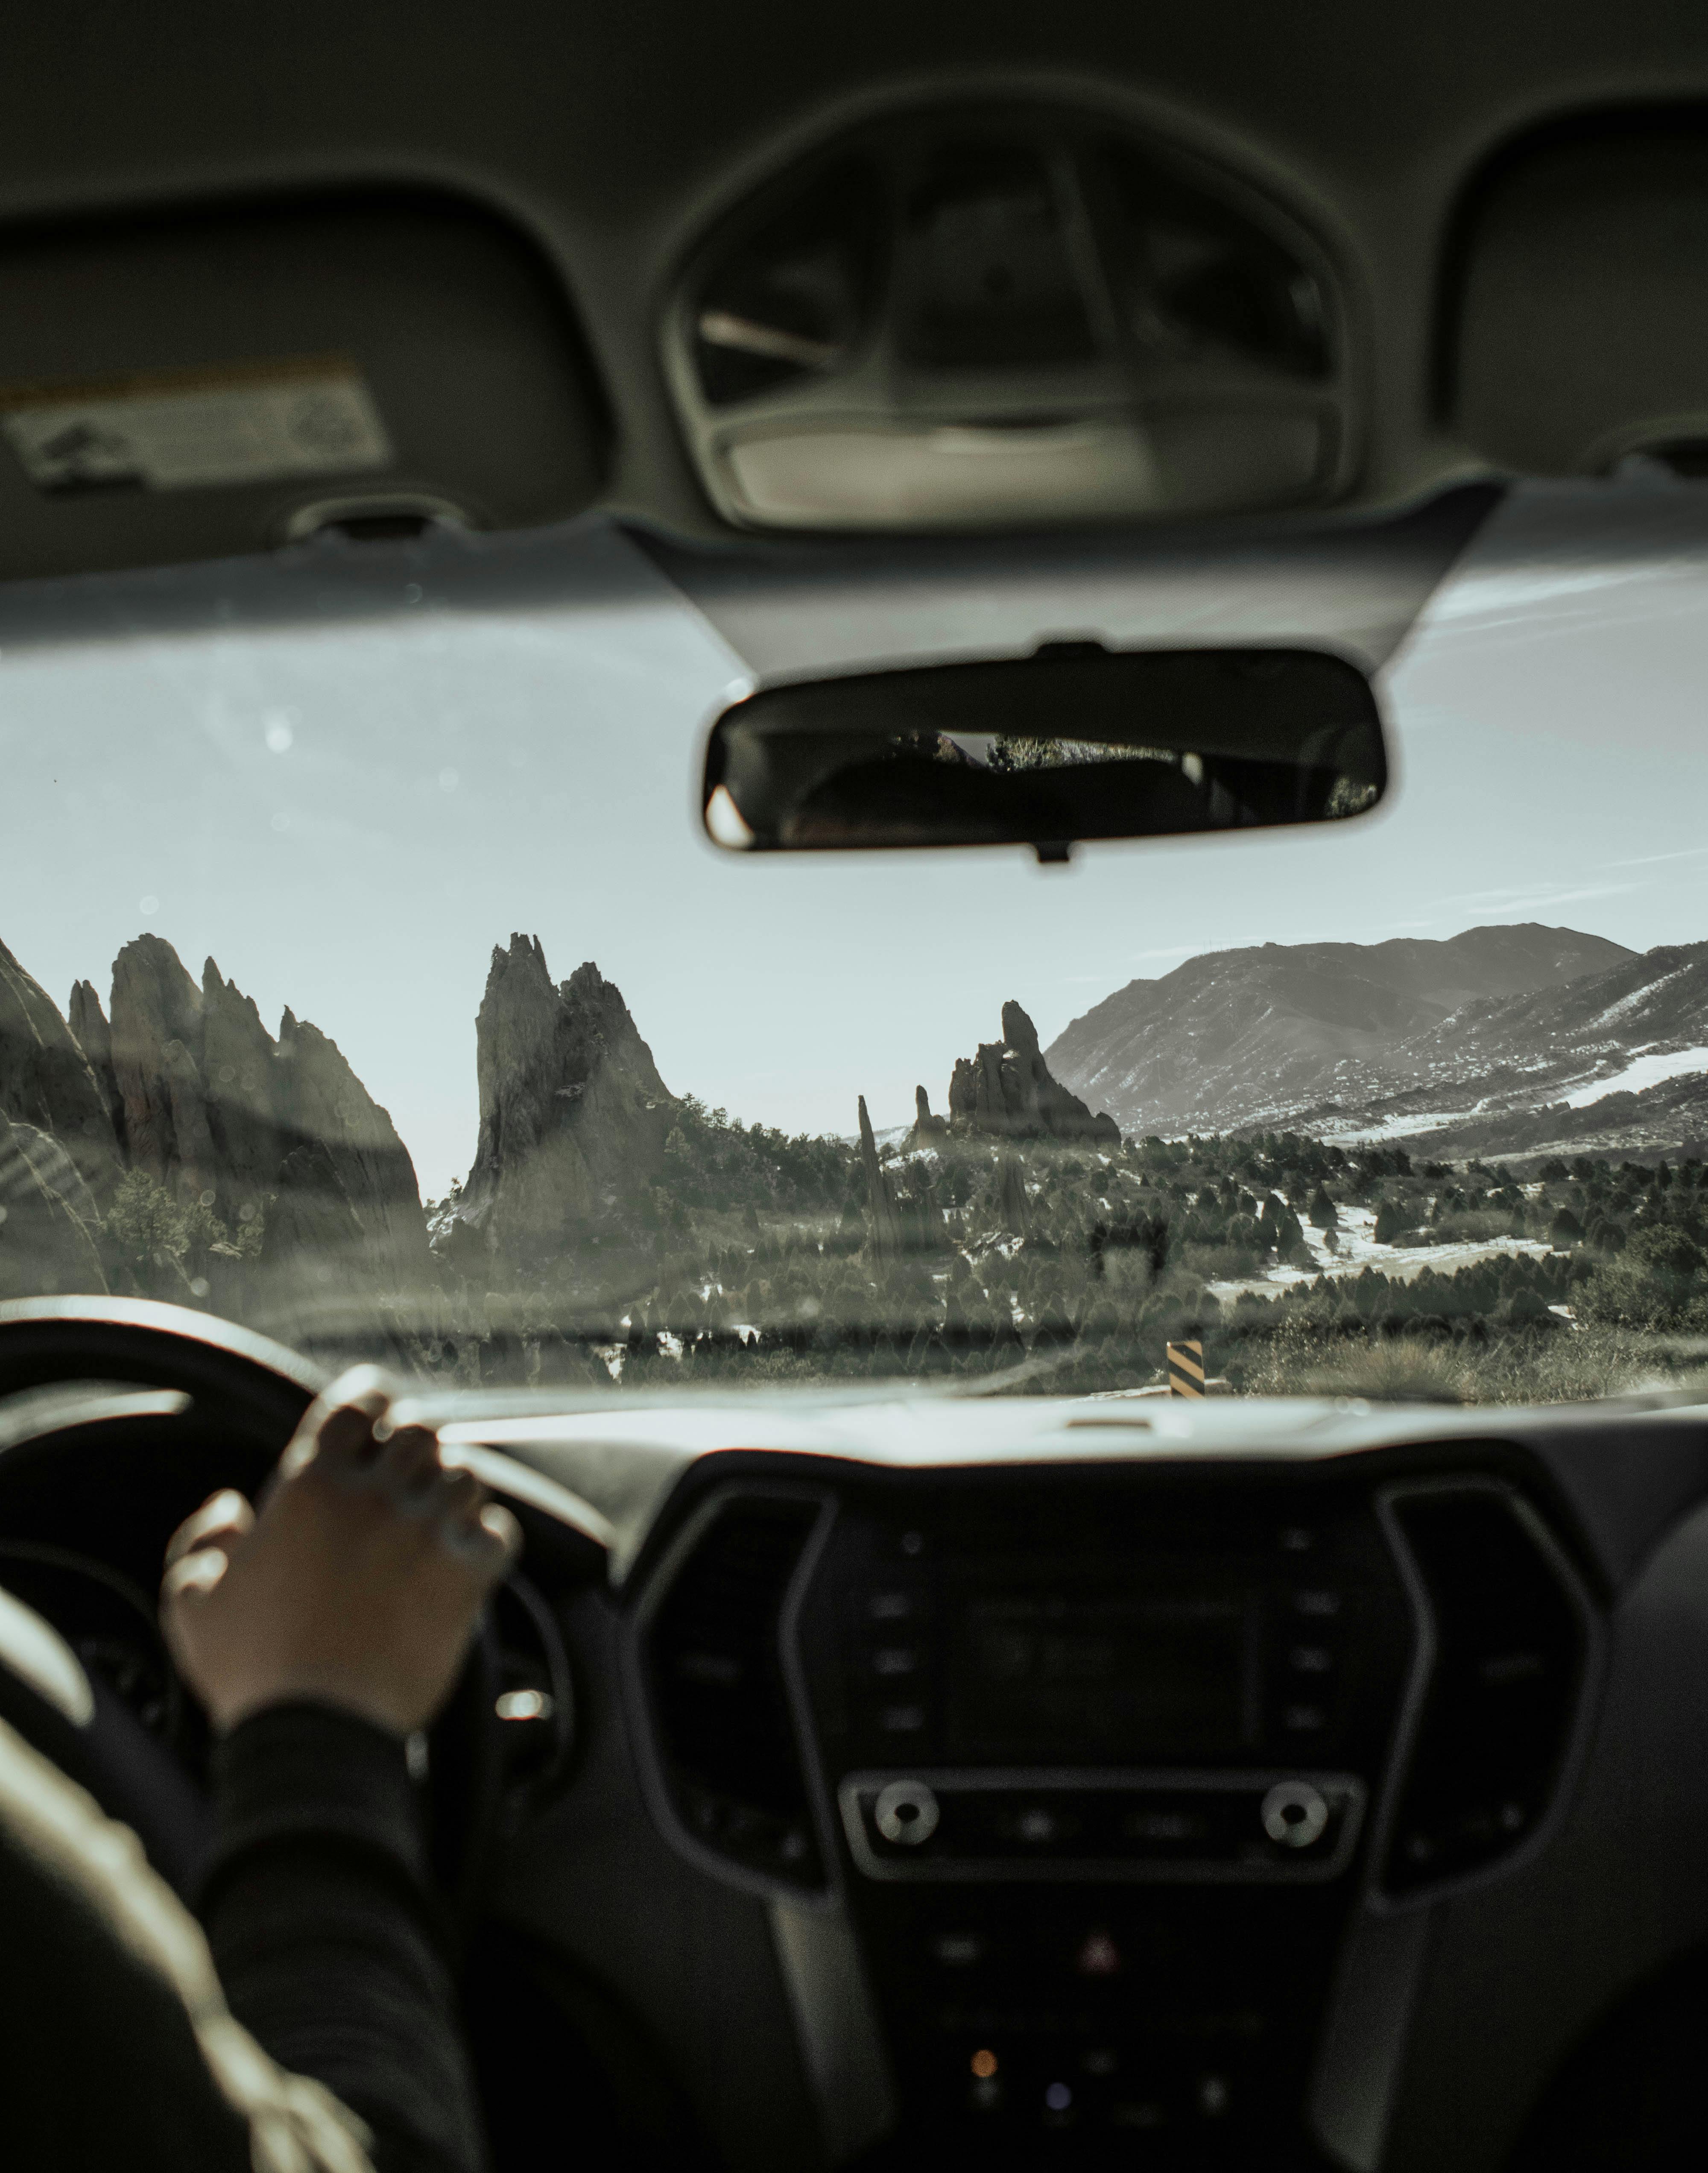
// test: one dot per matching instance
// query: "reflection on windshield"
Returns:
(611, 1232)
(1381, 1114)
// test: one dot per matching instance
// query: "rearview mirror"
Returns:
(1074, 742)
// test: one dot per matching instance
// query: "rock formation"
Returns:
(888, 1240)
(46, 1081)
(50, 1226)
(573, 1116)
(216, 1109)
(89, 1025)
(928, 1129)
(1008, 1092)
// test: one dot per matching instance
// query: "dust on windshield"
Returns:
(398, 1010)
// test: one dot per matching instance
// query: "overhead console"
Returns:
(1098, 1761)
(970, 317)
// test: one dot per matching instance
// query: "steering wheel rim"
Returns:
(48, 1339)
(265, 1387)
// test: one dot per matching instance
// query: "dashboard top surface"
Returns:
(1620, 1474)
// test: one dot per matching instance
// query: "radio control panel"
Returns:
(1120, 1676)
(998, 1825)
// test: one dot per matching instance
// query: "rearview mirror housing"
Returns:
(1074, 742)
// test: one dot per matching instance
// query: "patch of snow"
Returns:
(1358, 1250)
(1629, 1004)
(1648, 1070)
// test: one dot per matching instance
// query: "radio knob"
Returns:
(1294, 1814)
(906, 1813)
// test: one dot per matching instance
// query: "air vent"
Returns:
(1511, 1640)
(721, 1709)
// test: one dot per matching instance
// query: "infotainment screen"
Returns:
(1114, 1675)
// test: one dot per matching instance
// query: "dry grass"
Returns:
(1552, 1367)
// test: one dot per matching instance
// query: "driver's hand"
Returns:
(359, 1582)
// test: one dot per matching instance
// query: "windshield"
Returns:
(367, 979)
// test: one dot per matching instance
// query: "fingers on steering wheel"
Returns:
(223, 1519)
(339, 1426)
(199, 1551)
(489, 1542)
(473, 1527)
(407, 1468)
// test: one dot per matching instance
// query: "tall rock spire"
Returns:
(573, 1115)
(1008, 1091)
(888, 1238)
(46, 1080)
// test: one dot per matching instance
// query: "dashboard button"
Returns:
(958, 1950)
(1295, 1815)
(1213, 2096)
(901, 1719)
(1098, 1955)
(895, 1660)
(1317, 1605)
(906, 1813)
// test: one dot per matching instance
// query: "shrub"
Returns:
(1668, 1253)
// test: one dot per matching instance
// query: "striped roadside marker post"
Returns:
(1186, 1368)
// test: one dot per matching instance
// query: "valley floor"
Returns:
(1356, 1249)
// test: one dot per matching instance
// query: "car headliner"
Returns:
(615, 135)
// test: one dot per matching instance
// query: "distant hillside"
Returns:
(1262, 1036)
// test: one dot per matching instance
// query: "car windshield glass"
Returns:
(369, 979)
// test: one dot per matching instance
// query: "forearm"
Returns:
(316, 1906)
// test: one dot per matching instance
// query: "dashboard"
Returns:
(1094, 1764)
(1034, 1782)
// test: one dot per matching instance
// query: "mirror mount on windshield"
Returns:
(1073, 743)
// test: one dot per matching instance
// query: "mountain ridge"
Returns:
(1362, 1038)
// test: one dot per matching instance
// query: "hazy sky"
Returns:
(348, 819)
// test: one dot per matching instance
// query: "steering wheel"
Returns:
(256, 1392)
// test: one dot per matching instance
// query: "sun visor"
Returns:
(1578, 302)
(201, 386)
(1356, 590)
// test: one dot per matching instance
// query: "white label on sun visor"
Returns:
(186, 429)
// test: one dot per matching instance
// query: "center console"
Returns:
(1096, 1765)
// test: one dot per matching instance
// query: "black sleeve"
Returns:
(319, 1910)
